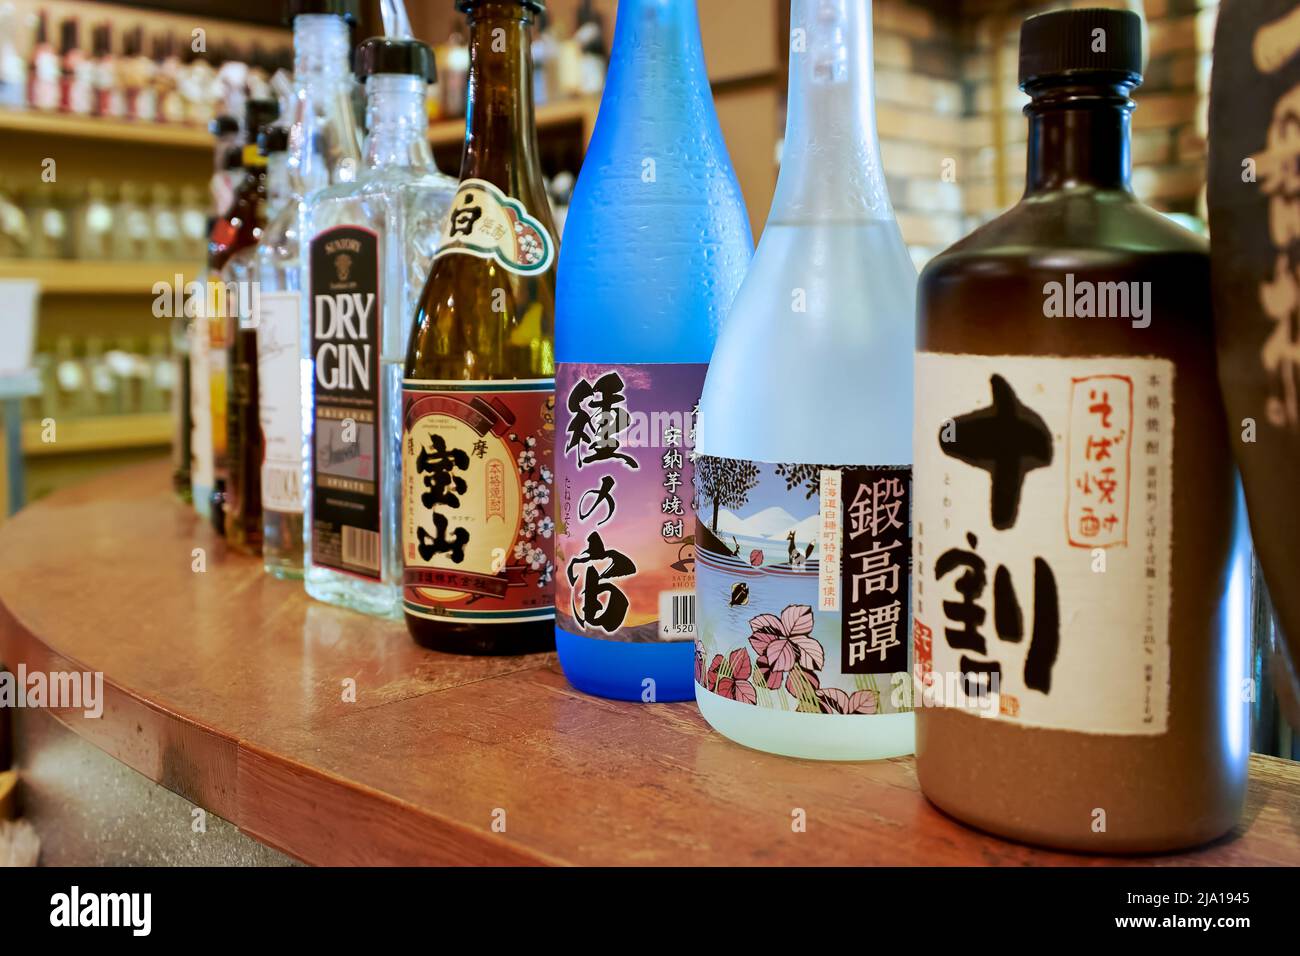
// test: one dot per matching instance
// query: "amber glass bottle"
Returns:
(478, 389)
(236, 231)
(1078, 673)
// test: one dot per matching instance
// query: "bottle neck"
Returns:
(398, 122)
(279, 189)
(323, 143)
(671, 28)
(830, 164)
(500, 133)
(1079, 138)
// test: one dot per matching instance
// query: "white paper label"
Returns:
(201, 469)
(1042, 531)
(279, 400)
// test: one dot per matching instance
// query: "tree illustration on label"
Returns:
(1008, 440)
(726, 482)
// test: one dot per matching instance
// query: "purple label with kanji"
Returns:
(625, 524)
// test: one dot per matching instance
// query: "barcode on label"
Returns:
(361, 547)
(676, 614)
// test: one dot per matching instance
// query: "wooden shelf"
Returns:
(103, 129)
(108, 277)
(103, 433)
(441, 133)
(581, 111)
(235, 690)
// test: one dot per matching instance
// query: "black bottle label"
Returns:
(345, 346)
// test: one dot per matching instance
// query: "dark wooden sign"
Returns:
(1254, 200)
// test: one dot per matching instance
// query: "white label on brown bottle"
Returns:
(1042, 532)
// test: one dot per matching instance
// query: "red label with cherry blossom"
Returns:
(477, 525)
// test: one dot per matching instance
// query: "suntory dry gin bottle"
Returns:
(803, 472)
(1078, 683)
(655, 247)
(369, 250)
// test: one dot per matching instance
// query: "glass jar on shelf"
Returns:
(133, 231)
(164, 218)
(47, 217)
(92, 224)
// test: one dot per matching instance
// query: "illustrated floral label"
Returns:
(1042, 539)
(485, 222)
(802, 577)
(477, 519)
(625, 542)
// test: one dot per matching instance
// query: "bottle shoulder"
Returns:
(1085, 230)
(384, 182)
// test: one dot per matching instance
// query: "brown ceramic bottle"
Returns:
(1078, 675)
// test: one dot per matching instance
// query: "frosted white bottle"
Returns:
(803, 484)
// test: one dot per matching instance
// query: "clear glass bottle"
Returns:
(363, 268)
(246, 438)
(93, 232)
(323, 147)
(657, 243)
(806, 412)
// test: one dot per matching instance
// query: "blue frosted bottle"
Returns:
(655, 247)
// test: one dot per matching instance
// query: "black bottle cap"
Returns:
(1097, 41)
(395, 55)
(468, 6)
(223, 125)
(273, 139)
(259, 113)
(349, 10)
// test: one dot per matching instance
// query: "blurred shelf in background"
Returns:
(100, 128)
(106, 277)
(100, 433)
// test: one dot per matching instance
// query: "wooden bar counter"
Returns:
(231, 689)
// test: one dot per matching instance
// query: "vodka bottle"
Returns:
(323, 147)
(803, 466)
(655, 247)
(369, 251)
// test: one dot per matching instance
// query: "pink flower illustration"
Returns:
(835, 701)
(734, 684)
(781, 642)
